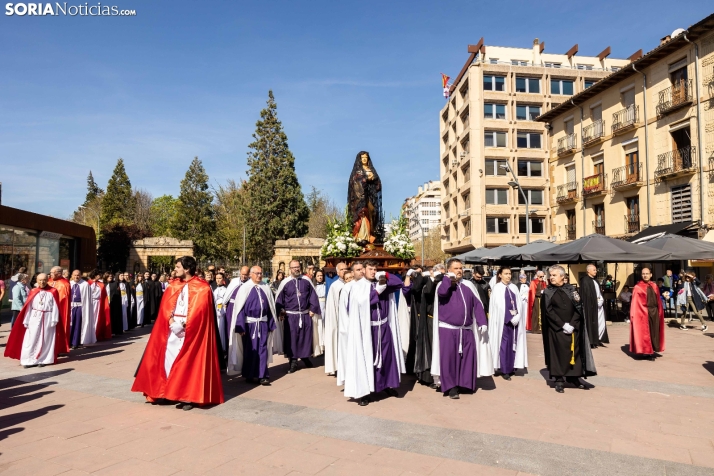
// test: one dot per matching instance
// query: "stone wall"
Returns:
(155, 246)
(286, 250)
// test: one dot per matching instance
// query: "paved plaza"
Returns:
(642, 417)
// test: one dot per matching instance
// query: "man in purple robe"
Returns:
(462, 326)
(376, 364)
(296, 301)
(75, 337)
(229, 297)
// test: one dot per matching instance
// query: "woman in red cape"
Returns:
(195, 375)
(642, 331)
(13, 347)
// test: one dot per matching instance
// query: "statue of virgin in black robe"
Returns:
(364, 199)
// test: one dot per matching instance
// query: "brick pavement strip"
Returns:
(82, 415)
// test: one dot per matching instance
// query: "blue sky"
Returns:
(184, 79)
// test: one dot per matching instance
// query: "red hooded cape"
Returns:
(64, 289)
(531, 299)
(13, 348)
(104, 325)
(195, 375)
(640, 341)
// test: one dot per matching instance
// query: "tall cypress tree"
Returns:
(93, 190)
(194, 218)
(118, 201)
(277, 205)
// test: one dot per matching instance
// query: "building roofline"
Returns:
(473, 51)
(694, 32)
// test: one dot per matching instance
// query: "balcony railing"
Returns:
(567, 144)
(627, 176)
(599, 226)
(632, 223)
(676, 162)
(625, 119)
(571, 232)
(594, 185)
(675, 97)
(567, 192)
(594, 132)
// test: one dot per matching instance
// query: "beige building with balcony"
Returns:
(636, 150)
(488, 126)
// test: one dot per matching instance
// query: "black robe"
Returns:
(425, 331)
(149, 300)
(415, 298)
(561, 305)
(133, 317)
(482, 287)
(588, 301)
(158, 294)
(115, 307)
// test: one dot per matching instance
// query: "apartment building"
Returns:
(488, 129)
(423, 210)
(636, 150)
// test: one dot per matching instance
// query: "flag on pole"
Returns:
(445, 85)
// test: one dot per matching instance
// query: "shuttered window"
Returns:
(681, 203)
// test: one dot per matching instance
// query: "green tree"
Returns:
(322, 211)
(163, 213)
(113, 252)
(274, 199)
(194, 218)
(229, 208)
(93, 190)
(118, 202)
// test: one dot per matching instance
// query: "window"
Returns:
(494, 83)
(537, 225)
(527, 85)
(467, 227)
(628, 97)
(493, 168)
(599, 218)
(569, 126)
(530, 168)
(527, 113)
(466, 173)
(615, 69)
(519, 63)
(570, 216)
(570, 174)
(495, 139)
(494, 111)
(561, 86)
(493, 60)
(681, 203)
(552, 65)
(587, 67)
(496, 225)
(596, 113)
(589, 82)
(535, 197)
(528, 140)
(496, 196)
(467, 200)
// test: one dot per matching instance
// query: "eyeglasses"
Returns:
(257, 273)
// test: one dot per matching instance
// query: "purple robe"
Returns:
(386, 373)
(508, 352)
(297, 299)
(458, 367)
(76, 317)
(255, 340)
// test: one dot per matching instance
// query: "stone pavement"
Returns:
(649, 418)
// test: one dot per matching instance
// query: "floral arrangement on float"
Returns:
(398, 243)
(339, 242)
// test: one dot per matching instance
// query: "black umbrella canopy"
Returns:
(464, 256)
(682, 248)
(482, 255)
(526, 252)
(597, 247)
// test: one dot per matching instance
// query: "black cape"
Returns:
(425, 331)
(414, 299)
(561, 305)
(149, 300)
(482, 287)
(588, 301)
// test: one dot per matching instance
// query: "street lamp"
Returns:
(515, 184)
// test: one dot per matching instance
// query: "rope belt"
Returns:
(76, 304)
(300, 313)
(444, 325)
(378, 359)
(255, 320)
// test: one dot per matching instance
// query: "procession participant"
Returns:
(218, 295)
(310, 272)
(318, 329)
(374, 360)
(32, 338)
(149, 297)
(646, 318)
(413, 295)
(535, 294)
(592, 304)
(507, 336)
(482, 287)
(343, 319)
(460, 352)
(19, 294)
(211, 277)
(60, 283)
(425, 330)
(230, 295)
(139, 293)
(296, 303)
(83, 331)
(132, 318)
(565, 336)
(65, 274)
(120, 305)
(180, 363)
(159, 288)
(253, 321)
(404, 316)
(100, 307)
(348, 276)
(331, 319)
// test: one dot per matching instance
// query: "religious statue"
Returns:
(364, 199)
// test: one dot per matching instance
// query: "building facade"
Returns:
(636, 150)
(488, 129)
(423, 210)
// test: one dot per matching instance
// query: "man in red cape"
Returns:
(538, 285)
(646, 318)
(13, 348)
(64, 289)
(180, 362)
(101, 306)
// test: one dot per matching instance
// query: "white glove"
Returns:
(410, 272)
(483, 329)
(380, 274)
(177, 328)
(600, 301)
(568, 329)
(516, 319)
(451, 275)
(380, 288)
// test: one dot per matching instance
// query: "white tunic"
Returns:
(601, 322)
(343, 320)
(96, 301)
(175, 343)
(318, 320)
(496, 319)
(218, 295)
(139, 304)
(89, 332)
(41, 317)
(124, 306)
(331, 319)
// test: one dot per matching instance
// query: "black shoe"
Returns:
(187, 407)
(264, 381)
(391, 392)
(251, 380)
(577, 383)
(293, 367)
(438, 388)
(433, 385)
(308, 363)
(559, 387)
(180, 405)
(506, 376)
(364, 401)
(454, 393)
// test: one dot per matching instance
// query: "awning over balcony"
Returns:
(660, 230)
